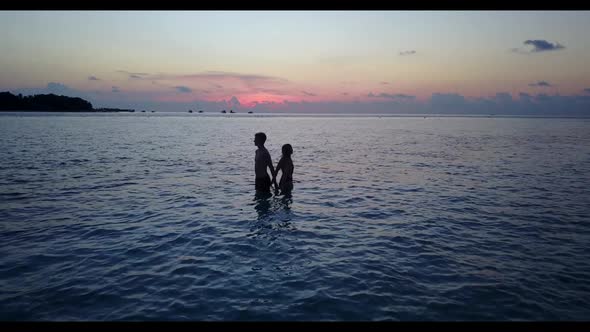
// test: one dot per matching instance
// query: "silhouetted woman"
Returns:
(286, 167)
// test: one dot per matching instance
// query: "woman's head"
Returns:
(287, 150)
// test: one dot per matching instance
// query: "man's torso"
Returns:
(261, 162)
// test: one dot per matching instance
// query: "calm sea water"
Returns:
(154, 217)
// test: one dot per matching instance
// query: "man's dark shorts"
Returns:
(263, 184)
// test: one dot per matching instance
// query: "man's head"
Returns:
(259, 139)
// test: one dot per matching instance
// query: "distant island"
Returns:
(49, 102)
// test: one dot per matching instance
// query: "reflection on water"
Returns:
(274, 217)
(262, 204)
(273, 208)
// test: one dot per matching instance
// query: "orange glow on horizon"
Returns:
(251, 100)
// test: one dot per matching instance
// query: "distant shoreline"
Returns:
(50, 103)
(287, 115)
(71, 111)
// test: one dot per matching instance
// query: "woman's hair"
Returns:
(287, 150)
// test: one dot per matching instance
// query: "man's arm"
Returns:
(272, 169)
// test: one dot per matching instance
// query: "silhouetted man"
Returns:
(261, 162)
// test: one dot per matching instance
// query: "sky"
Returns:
(511, 62)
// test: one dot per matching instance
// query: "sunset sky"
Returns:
(318, 61)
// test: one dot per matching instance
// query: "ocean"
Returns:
(154, 217)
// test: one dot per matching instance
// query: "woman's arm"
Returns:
(280, 166)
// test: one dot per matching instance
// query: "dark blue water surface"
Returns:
(154, 217)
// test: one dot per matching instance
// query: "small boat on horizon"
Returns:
(223, 111)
